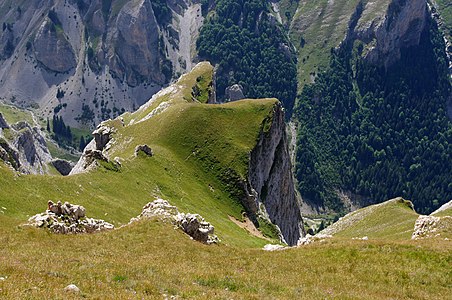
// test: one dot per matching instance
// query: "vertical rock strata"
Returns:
(271, 181)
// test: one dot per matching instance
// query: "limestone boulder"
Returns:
(195, 226)
(192, 224)
(234, 92)
(144, 149)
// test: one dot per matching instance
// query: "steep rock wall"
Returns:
(106, 56)
(387, 32)
(25, 149)
(271, 180)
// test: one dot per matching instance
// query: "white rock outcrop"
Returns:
(67, 219)
(97, 149)
(431, 226)
(192, 224)
(26, 149)
(309, 239)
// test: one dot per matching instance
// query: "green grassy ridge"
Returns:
(443, 213)
(390, 220)
(200, 150)
(149, 259)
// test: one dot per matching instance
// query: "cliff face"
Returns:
(103, 57)
(135, 42)
(271, 181)
(387, 32)
(52, 49)
(25, 149)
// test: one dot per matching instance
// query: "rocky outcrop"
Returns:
(271, 191)
(143, 149)
(9, 155)
(102, 135)
(431, 227)
(25, 150)
(32, 148)
(424, 227)
(67, 219)
(64, 167)
(3, 123)
(386, 34)
(234, 92)
(52, 49)
(96, 150)
(192, 224)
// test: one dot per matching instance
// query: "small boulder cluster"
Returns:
(192, 224)
(309, 239)
(67, 219)
(425, 227)
(195, 226)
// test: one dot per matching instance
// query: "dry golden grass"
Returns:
(150, 259)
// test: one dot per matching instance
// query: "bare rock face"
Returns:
(6, 42)
(136, 44)
(52, 49)
(26, 149)
(9, 155)
(85, 163)
(62, 166)
(400, 27)
(271, 187)
(32, 149)
(3, 123)
(102, 135)
(113, 54)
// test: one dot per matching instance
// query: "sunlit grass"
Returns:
(149, 259)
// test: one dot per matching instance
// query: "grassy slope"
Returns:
(444, 213)
(391, 220)
(13, 115)
(323, 25)
(149, 259)
(445, 10)
(193, 143)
